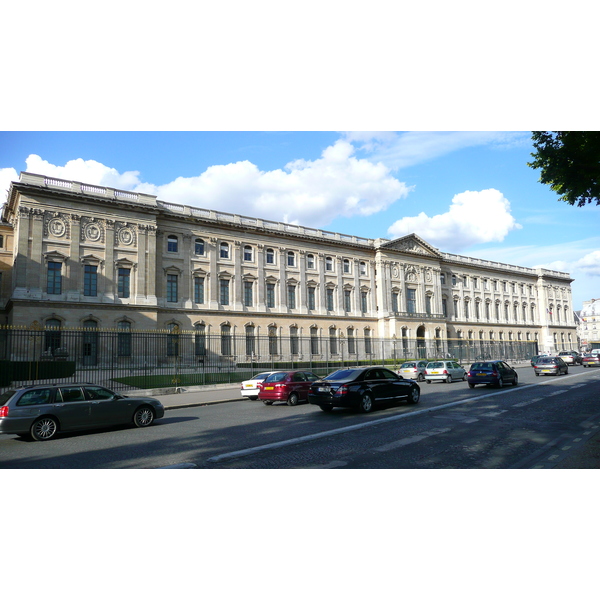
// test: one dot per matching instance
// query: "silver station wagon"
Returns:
(42, 411)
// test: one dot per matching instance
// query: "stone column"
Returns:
(109, 270)
(22, 259)
(186, 275)
(282, 280)
(340, 285)
(302, 303)
(356, 306)
(152, 260)
(74, 286)
(260, 261)
(373, 298)
(142, 292)
(238, 284)
(322, 308)
(213, 281)
(35, 275)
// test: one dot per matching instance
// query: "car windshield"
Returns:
(341, 374)
(275, 377)
(482, 366)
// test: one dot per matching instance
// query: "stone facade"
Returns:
(85, 254)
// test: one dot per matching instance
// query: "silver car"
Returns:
(41, 411)
(444, 370)
(414, 369)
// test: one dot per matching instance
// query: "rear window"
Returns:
(546, 361)
(6, 396)
(276, 377)
(409, 365)
(341, 374)
(482, 366)
(435, 365)
(33, 397)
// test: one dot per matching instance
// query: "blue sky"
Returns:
(468, 193)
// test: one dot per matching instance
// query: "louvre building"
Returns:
(89, 259)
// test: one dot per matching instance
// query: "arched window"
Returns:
(346, 266)
(363, 268)
(294, 345)
(248, 253)
(172, 243)
(224, 250)
(270, 254)
(226, 340)
(332, 341)
(272, 340)
(310, 261)
(124, 338)
(314, 340)
(250, 340)
(199, 246)
(328, 263)
(52, 335)
(173, 339)
(90, 342)
(200, 339)
(291, 259)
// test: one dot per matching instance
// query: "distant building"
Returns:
(588, 324)
(80, 255)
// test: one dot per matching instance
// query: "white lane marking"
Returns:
(315, 436)
(527, 402)
(494, 413)
(412, 440)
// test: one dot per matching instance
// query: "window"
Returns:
(270, 256)
(226, 340)
(250, 340)
(477, 310)
(346, 266)
(311, 298)
(442, 278)
(123, 279)
(90, 280)
(506, 312)
(291, 259)
(247, 293)
(466, 309)
(475, 283)
(395, 302)
(224, 292)
(199, 290)
(54, 278)
(294, 345)
(291, 296)
(1, 241)
(368, 346)
(487, 311)
(329, 263)
(224, 250)
(363, 268)
(455, 304)
(248, 253)
(270, 295)
(314, 340)
(347, 300)
(172, 243)
(199, 246)
(329, 298)
(465, 281)
(363, 301)
(173, 339)
(124, 338)
(428, 304)
(171, 288)
(310, 261)
(272, 340)
(332, 341)
(200, 340)
(453, 279)
(411, 300)
(52, 335)
(444, 307)
(351, 342)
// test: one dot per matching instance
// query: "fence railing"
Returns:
(128, 360)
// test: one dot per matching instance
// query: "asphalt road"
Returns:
(538, 424)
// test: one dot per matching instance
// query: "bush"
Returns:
(34, 370)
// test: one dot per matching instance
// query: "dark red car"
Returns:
(286, 386)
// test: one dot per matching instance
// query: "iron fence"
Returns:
(128, 360)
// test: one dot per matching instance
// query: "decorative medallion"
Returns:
(395, 272)
(125, 236)
(56, 227)
(93, 232)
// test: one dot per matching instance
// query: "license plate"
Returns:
(269, 388)
(434, 372)
(481, 374)
(249, 385)
(323, 389)
(546, 370)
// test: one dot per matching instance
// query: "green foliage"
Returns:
(570, 164)
(34, 370)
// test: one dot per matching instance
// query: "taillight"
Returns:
(342, 390)
(3, 411)
(445, 372)
(280, 385)
(469, 374)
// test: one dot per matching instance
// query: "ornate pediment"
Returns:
(412, 244)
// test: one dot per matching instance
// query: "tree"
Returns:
(570, 164)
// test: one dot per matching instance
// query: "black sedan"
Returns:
(362, 388)
(42, 411)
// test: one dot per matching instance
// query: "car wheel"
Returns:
(292, 400)
(420, 377)
(326, 408)
(566, 371)
(414, 396)
(537, 374)
(500, 382)
(516, 380)
(267, 402)
(44, 429)
(366, 403)
(449, 379)
(143, 416)
(428, 380)
(464, 377)
(471, 385)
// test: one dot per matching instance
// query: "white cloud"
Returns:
(399, 150)
(309, 192)
(6, 176)
(473, 218)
